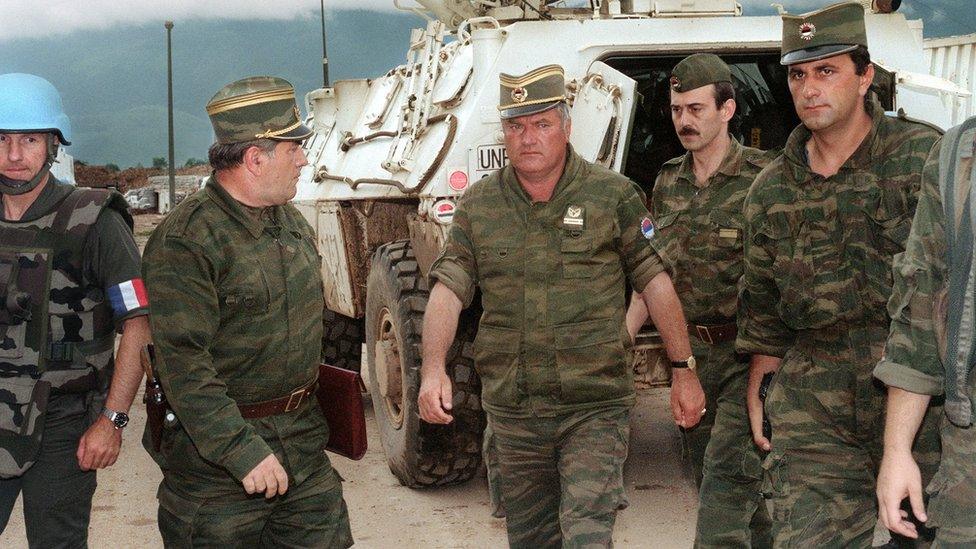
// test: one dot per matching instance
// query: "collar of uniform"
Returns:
(574, 163)
(50, 196)
(795, 149)
(233, 208)
(730, 166)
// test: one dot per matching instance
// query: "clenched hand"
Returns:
(268, 477)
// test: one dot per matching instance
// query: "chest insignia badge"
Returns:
(574, 217)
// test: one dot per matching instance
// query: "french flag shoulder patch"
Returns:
(128, 296)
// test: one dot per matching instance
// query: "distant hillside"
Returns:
(114, 81)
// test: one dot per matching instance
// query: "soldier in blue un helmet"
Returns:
(69, 281)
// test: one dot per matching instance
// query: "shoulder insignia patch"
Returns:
(647, 228)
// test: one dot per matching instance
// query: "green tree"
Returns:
(191, 162)
(112, 167)
(159, 162)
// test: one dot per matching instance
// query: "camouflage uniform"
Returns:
(237, 319)
(818, 257)
(700, 230)
(555, 364)
(912, 355)
(70, 249)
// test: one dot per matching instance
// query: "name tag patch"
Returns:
(728, 233)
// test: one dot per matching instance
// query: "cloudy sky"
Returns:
(22, 18)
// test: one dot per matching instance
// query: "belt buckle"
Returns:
(300, 393)
(707, 337)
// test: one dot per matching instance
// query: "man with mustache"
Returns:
(823, 222)
(697, 203)
(238, 329)
(554, 361)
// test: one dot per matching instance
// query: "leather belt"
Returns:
(718, 333)
(280, 405)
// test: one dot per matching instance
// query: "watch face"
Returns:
(120, 420)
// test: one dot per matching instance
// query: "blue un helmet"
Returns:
(31, 104)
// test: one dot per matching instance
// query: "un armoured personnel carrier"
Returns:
(391, 155)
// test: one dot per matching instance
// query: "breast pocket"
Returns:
(577, 255)
(499, 258)
(243, 300)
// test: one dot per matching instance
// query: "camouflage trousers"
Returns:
(726, 463)
(827, 415)
(310, 514)
(952, 502)
(57, 493)
(562, 477)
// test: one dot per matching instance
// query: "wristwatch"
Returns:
(118, 419)
(689, 363)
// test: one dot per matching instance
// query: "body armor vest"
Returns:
(55, 325)
(56, 329)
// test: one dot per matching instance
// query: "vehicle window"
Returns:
(764, 115)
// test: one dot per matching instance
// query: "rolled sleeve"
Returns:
(185, 317)
(456, 267)
(918, 298)
(641, 258)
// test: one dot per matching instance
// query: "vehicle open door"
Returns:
(602, 113)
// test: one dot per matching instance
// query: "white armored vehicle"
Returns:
(391, 155)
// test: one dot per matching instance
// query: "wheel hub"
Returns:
(389, 375)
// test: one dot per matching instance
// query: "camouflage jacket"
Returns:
(818, 250)
(237, 318)
(552, 277)
(914, 355)
(700, 230)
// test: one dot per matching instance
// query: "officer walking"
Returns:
(69, 278)
(822, 224)
(234, 275)
(556, 371)
(697, 204)
(930, 349)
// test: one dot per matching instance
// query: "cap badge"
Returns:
(808, 31)
(519, 94)
(298, 115)
(675, 83)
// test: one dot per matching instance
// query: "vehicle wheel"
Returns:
(418, 453)
(342, 340)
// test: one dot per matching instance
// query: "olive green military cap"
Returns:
(535, 91)
(700, 69)
(823, 33)
(258, 107)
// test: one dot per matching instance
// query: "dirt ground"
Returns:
(385, 515)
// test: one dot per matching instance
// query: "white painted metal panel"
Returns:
(954, 58)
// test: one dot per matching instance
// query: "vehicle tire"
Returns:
(419, 454)
(342, 340)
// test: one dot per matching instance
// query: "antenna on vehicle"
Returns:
(325, 55)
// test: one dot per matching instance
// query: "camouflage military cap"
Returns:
(823, 33)
(699, 70)
(533, 92)
(258, 107)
